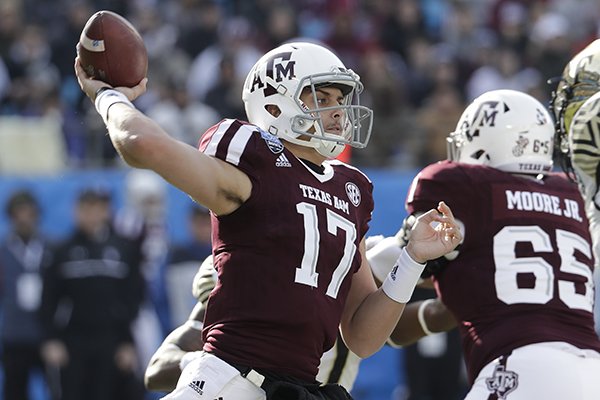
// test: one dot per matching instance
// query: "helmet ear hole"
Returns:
(273, 109)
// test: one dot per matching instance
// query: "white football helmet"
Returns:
(507, 130)
(279, 78)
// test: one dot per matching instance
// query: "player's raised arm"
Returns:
(142, 143)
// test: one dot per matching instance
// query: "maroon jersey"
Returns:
(286, 257)
(524, 271)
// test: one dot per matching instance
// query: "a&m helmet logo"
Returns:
(279, 67)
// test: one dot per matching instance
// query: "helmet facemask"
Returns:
(355, 120)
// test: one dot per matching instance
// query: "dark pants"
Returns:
(20, 361)
(435, 375)
(92, 373)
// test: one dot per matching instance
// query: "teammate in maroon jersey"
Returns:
(520, 284)
(289, 225)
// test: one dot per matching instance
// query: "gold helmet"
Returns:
(580, 81)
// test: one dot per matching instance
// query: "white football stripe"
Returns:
(211, 147)
(238, 144)
(95, 46)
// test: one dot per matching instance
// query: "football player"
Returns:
(289, 225)
(338, 364)
(520, 285)
(576, 107)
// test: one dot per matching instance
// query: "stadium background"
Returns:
(421, 61)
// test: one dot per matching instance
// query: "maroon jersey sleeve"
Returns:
(286, 257)
(524, 271)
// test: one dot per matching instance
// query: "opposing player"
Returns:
(576, 107)
(288, 225)
(520, 284)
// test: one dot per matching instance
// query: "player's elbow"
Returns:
(137, 144)
(154, 380)
(366, 350)
(150, 381)
(363, 347)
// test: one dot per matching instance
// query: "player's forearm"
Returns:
(435, 317)
(163, 371)
(136, 137)
(372, 324)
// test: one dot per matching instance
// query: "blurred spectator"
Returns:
(505, 72)
(236, 39)
(434, 365)
(281, 26)
(419, 77)
(465, 36)
(4, 81)
(91, 294)
(224, 96)
(349, 36)
(34, 77)
(436, 119)
(182, 264)
(386, 91)
(143, 219)
(64, 36)
(11, 24)
(24, 254)
(179, 115)
(509, 18)
(405, 24)
(198, 22)
(550, 48)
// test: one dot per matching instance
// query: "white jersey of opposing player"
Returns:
(584, 141)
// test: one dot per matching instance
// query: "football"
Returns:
(112, 50)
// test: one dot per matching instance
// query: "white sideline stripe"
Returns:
(95, 46)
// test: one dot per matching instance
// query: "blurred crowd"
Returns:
(421, 61)
(88, 309)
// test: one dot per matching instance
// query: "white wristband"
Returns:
(421, 316)
(108, 97)
(382, 257)
(402, 279)
(194, 324)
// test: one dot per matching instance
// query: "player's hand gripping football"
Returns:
(434, 234)
(90, 86)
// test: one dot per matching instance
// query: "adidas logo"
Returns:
(393, 272)
(282, 161)
(198, 386)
